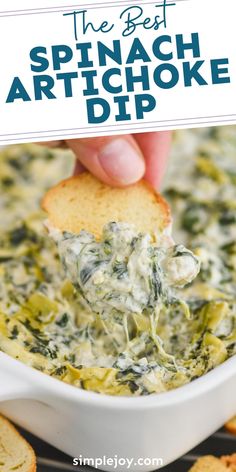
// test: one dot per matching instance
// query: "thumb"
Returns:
(117, 161)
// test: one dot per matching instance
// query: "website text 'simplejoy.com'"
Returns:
(115, 462)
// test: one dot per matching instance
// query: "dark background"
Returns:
(52, 460)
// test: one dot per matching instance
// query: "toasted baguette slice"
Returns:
(209, 464)
(15, 453)
(230, 462)
(83, 202)
(231, 425)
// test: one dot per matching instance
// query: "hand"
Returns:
(123, 160)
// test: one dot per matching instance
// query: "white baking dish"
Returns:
(77, 422)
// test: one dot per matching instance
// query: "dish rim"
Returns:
(37, 384)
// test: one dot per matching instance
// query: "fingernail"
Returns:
(122, 162)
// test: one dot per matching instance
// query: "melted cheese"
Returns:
(125, 272)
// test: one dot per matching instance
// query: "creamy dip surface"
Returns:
(126, 272)
(131, 318)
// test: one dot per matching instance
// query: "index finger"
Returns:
(155, 147)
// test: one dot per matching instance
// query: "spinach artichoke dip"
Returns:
(171, 327)
(124, 273)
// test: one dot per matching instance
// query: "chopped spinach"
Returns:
(63, 320)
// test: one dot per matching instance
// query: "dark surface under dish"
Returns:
(50, 459)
